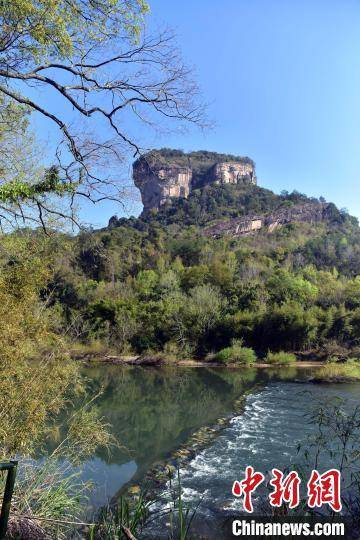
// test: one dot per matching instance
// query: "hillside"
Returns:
(161, 282)
(214, 203)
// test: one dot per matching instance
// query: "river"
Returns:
(154, 411)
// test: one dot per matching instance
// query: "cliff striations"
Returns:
(162, 175)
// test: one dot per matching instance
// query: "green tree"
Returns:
(195, 315)
(288, 326)
(352, 293)
(145, 283)
(284, 286)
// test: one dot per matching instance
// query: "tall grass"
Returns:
(181, 516)
(123, 520)
(128, 518)
(49, 495)
(280, 358)
(346, 370)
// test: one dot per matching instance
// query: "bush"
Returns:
(346, 370)
(280, 358)
(172, 351)
(332, 360)
(236, 354)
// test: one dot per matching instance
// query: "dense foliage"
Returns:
(236, 354)
(33, 390)
(157, 283)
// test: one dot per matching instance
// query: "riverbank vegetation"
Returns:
(280, 358)
(35, 388)
(332, 371)
(140, 286)
(236, 354)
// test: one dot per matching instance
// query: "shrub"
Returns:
(333, 360)
(346, 370)
(236, 354)
(172, 351)
(280, 358)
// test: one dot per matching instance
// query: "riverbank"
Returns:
(160, 359)
(155, 361)
(327, 372)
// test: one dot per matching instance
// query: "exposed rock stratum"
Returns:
(165, 174)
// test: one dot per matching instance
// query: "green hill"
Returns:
(160, 283)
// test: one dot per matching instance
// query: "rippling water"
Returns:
(266, 435)
(154, 411)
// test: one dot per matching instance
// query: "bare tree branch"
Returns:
(112, 86)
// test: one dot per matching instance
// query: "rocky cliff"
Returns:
(309, 212)
(231, 172)
(159, 183)
(166, 174)
(220, 194)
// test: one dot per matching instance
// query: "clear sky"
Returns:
(283, 82)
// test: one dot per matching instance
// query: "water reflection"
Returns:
(153, 411)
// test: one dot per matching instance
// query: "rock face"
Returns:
(160, 179)
(309, 212)
(158, 183)
(232, 172)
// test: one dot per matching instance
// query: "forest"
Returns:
(157, 283)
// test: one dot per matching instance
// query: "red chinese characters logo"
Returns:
(285, 489)
(321, 489)
(324, 489)
(246, 487)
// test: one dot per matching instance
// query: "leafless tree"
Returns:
(99, 100)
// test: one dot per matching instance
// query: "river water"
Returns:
(154, 411)
(266, 435)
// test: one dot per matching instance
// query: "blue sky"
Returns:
(283, 82)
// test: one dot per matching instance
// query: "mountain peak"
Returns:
(164, 175)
